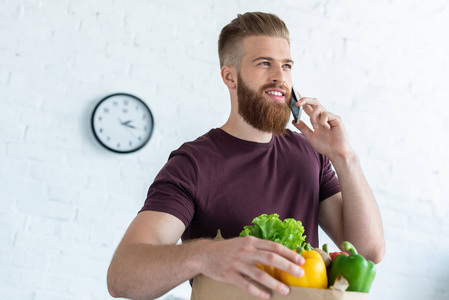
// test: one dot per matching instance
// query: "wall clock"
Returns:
(122, 123)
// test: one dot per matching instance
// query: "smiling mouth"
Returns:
(277, 95)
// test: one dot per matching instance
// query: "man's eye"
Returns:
(265, 63)
(287, 66)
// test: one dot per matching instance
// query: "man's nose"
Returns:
(277, 75)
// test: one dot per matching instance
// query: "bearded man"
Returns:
(251, 165)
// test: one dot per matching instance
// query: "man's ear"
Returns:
(229, 76)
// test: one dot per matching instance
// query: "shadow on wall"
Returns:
(442, 287)
(86, 126)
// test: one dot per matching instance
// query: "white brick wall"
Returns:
(65, 201)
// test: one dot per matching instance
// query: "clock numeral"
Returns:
(108, 138)
(115, 103)
(125, 111)
(137, 107)
(130, 143)
(145, 128)
(144, 117)
(100, 118)
(139, 138)
(126, 102)
(101, 130)
(106, 110)
(118, 145)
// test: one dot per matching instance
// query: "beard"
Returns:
(261, 112)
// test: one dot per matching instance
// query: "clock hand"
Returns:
(130, 131)
(126, 123)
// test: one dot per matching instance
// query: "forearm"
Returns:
(362, 224)
(141, 271)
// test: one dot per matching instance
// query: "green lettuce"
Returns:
(269, 227)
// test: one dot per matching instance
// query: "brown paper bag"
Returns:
(205, 288)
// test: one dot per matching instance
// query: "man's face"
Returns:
(264, 83)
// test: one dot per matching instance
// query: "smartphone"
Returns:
(296, 111)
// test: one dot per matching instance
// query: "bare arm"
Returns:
(141, 255)
(148, 263)
(353, 214)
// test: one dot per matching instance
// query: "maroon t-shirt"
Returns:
(221, 182)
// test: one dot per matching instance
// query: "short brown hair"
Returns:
(230, 46)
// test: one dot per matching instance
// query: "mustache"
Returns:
(273, 85)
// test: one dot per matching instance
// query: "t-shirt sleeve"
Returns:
(329, 184)
(173, 189)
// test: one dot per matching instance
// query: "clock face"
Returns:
(122, 123)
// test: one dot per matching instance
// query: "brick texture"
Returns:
(66, 201)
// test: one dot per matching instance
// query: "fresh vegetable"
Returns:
(332, 255)
(324, 255)
(340, 284)
(306, 246)
(269, 227)
(315, 273)
(358, 271)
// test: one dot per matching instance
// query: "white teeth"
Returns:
(275, 93)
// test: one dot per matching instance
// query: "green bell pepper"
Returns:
(358, 271)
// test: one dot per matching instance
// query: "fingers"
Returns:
(319, 116)
(272, 254)
(273, 259)
(268, 281)
(243, 283)
(242, 280)
(303, 128)
(235, 261)
(323, 119)
(273, 251)
(313, 109)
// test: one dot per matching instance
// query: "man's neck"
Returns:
(240, 129)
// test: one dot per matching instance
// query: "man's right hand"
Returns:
(235, 260)
(148, 263)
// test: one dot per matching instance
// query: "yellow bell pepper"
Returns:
(315, 274)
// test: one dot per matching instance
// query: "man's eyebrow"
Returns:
(287, 60)
(263, 58)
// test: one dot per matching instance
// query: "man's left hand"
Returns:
(328, 136)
